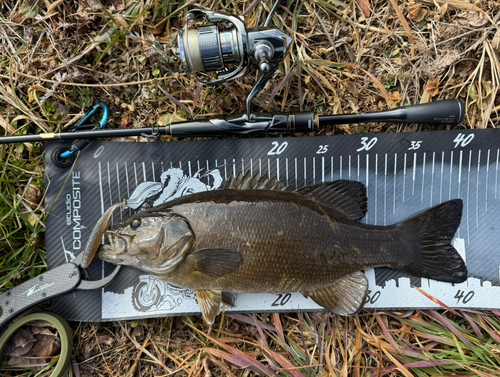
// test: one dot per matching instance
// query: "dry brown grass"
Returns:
(57, 58)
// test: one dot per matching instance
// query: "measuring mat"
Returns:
(404, 173)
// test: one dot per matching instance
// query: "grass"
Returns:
(58, 58)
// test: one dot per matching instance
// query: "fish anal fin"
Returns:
(216, 262)
(345, 296)
(347, 197)
(209, 303)
(228, 299)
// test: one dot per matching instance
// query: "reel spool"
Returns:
(228, 52)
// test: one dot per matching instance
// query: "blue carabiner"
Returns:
(85, 120)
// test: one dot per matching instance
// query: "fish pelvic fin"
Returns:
(347, 197)
(430, 234)
(345, 296)
(209, 303)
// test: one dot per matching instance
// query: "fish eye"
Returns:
(135, 224)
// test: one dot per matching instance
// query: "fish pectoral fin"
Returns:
(345, 296)
(347, 197)
(216, 262)
(209, 302)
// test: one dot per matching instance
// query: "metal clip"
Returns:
(83, 124)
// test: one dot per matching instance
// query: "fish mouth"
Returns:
(114, 246)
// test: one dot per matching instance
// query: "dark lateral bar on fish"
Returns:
(441, 112)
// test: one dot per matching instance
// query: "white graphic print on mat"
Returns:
(173, 184)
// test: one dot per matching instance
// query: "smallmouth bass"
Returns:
(258, 236)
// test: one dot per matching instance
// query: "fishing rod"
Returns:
(216, 48)
(440, 112)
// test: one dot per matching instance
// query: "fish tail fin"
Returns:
(431, 232)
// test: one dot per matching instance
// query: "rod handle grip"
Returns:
(450, 111)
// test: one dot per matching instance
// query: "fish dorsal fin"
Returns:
(348, 197)
(345, 296)
(255, 182)
(209, 303)
(216, 262)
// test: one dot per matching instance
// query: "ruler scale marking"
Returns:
(286, 170)
(477, 187)
(119, 190)
(385, 191)
(486, 190)
(331, 169)
(376, 186)
(367, 175)
(296, 180)
(128, 186)
(441, 185)
(432, 177)
(305, 172)
(314, 170)
(322, 169)
(451, 172)
(349, 166)
(468, 191)
(496, 174)
(423, 179)
(135, 174)
(404, 178)
(394, 189)
(278, 169)
(414, 173)
(109, 189)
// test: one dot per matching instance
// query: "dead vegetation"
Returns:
(58, 58)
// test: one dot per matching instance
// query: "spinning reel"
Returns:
(226, 49)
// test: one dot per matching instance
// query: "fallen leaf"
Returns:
(45, 346)
(414, 10)
(473, 19)
(21, 343)
(126, 121)
(396, 96)
(167, 119)
(365, 6)
(105, 339)
(433, 87)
